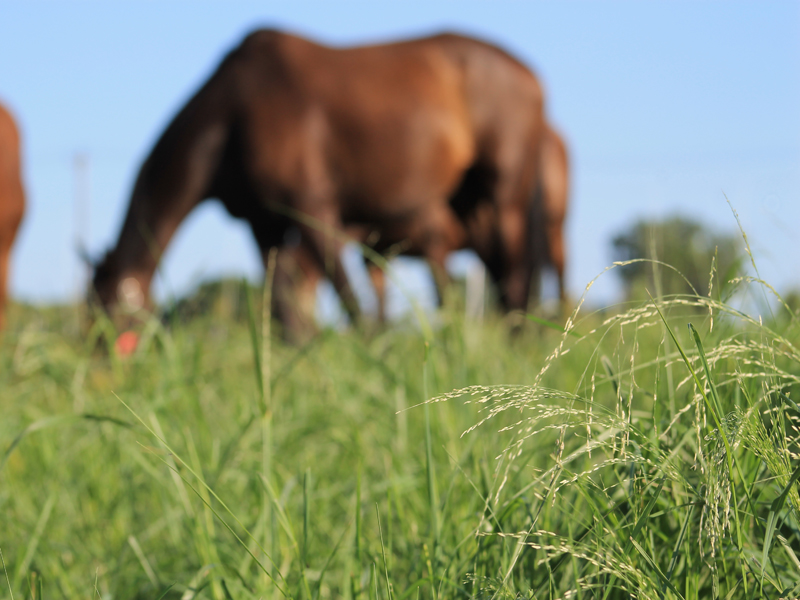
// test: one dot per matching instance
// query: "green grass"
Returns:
(629, 456)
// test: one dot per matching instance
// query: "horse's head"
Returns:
(120, 295)
(113, 289)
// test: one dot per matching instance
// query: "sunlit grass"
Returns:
(624, 457)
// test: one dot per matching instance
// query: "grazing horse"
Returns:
(12, 199)
(290, 133)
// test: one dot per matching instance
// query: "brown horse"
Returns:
(12, 199)
(288, 132)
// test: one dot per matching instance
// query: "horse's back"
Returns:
(386, 116)
(421, 69)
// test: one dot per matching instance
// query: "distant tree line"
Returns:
(687, 246)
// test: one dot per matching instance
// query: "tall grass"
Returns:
(694, 497)
(627, 455)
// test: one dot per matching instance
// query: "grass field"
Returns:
(610, 461)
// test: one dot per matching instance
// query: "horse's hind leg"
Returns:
(515, 261)
(517, 177)
(436, 233)
(321, 228)
(378, 278)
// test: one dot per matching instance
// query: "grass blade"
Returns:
(655, 568)
(166, 591)
(429, 466)
(37, 535)
(330, 558)
(772, 519)
(146, 566)
(383, 554)
(778, 503)
(551, 325)
(707, 370)
(5, 570)
(304, 549)
(676, 550)
(644, 516)
(255, 340)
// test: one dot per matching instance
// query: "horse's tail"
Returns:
(537, 237)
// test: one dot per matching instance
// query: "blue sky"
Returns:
(666, 106)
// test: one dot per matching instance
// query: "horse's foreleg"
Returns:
(378, 278)
(322, 230)
(442, 234)
(294, 292)
(7, 234)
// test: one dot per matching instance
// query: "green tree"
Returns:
(682, 243)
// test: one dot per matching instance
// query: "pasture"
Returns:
(630, 456)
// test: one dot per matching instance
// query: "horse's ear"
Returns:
(85, 257)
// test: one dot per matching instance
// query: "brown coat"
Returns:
(12, 200)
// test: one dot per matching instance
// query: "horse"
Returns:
(290, 133)
(12, 199)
